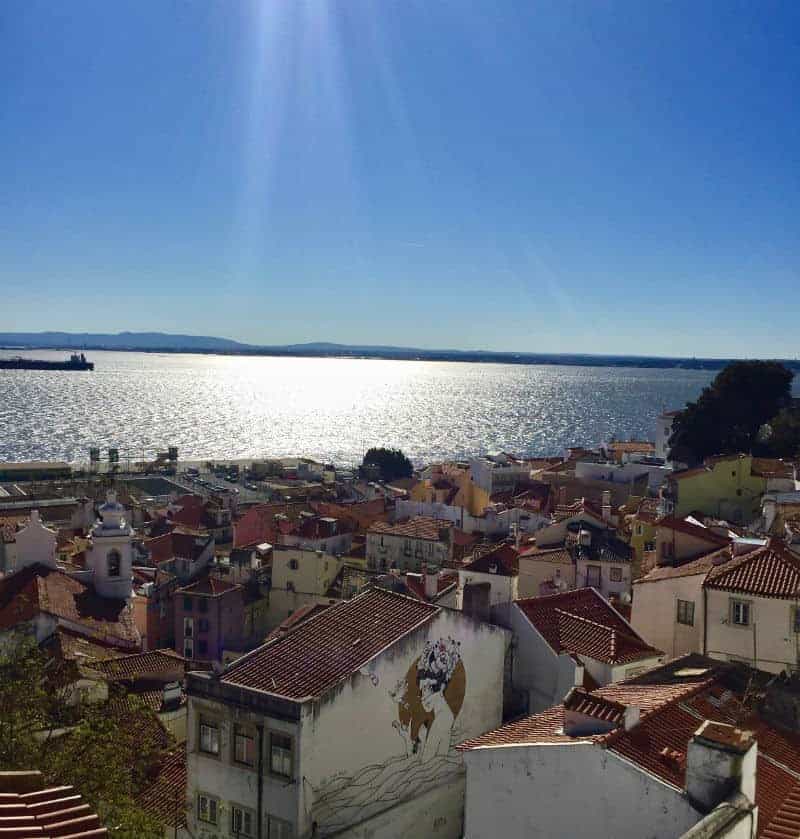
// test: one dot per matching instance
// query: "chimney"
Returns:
(720, 762)
(431, 581)
(606, 505)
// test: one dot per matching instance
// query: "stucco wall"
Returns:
(520, 792)
(769, 639)
(358, 759)
(654, 614)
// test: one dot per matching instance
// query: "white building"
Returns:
(569, 639)
(345, 724)
(652, 757)
(498, 472)
(410, 544)
(110, 553)
(622, 473)
(493, 576)
(664, 432)
(35, 544)
(497, 519)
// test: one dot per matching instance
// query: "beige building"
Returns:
(300, 578)
(545, 571)
(408, 545)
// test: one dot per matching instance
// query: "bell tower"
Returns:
(110, 557)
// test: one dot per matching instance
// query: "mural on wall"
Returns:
(428, 700)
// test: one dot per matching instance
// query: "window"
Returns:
(188, 648)
(639, 530)
(188, 628)
(244, 746)
(209, 737)
(202, 605)
(203, 625)
(740, 613)
(202, 647)
(278, 829)
(592, 575)
(685, 612)
(796, 619)
(114, 563)
(187, 604)
(407, 547)
(280, 754)
(293, 564)
(615, 575)
(206, 808)
(242, 822)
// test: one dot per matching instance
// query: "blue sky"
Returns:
(607, 177)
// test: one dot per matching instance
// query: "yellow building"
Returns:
(451, 484)
(726, 487)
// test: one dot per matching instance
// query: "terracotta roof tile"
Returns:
(319, 653)
(418, 527)
(502, 559)
(582, 622)
(37, 589)
(210, 586)
(771, 571)
(141, 665)
(695, 530)
(165, 796)
(701, 565)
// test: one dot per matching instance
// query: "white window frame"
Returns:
(739, 606)
(243, 815)
(283, 758)
(611, 572)
(245, 734)
(188, 647)
(188, 627)
(209, 805)
(212, 732)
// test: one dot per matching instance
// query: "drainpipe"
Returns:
(260, 806)
(705, 619)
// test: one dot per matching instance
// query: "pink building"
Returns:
(209, 617)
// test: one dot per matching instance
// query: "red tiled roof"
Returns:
(138, 665)
(701, 565)
(37, 589)
(583, 623)
(319, 653)
(418, 527)
(165, 796)
(504, 559)
(594, 705)
(770, 571)
(297, 617)
(210, 586)
(415, 583)
(547, 555)
(258, 524)
(177, 543)
(48, 813)
(695, 530)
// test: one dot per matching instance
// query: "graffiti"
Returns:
(429, 700)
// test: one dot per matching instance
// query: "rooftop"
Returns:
(502, 560)
(209, 586)
(418, 527)
(37, 589)
(769, 571)
(314, 656)
(582, 622)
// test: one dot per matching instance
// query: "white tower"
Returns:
(110, 556)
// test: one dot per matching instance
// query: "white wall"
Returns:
(502, 588)
(654, 614)
(35, 544)
(406, 553)
(356, 759)
(574, 790)
(769, 639)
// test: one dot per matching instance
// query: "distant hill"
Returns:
(118, 341)
(164, 342)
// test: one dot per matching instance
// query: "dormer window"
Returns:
(114, 563)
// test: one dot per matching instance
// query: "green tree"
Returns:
(730, 411)
(781, 436)
(97, 748)
(391, 463)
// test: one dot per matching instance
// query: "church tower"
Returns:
(110, 557)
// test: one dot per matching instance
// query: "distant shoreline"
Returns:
(468, 357)
(401, 354)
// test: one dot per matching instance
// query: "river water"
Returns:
(326, 408)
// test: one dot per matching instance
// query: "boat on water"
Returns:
(77, 361)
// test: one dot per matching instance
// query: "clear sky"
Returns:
(609, 177)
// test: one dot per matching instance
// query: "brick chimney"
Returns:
(720, 762)
(431, 575)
